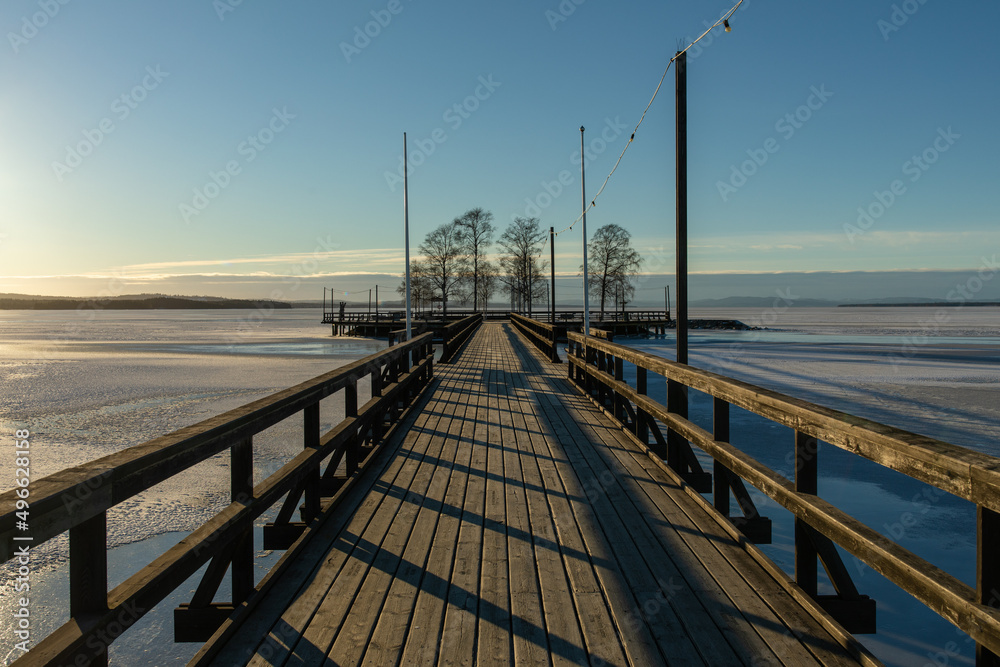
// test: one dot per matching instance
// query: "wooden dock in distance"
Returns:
(513, 522)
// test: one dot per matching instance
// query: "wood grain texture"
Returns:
(515, 523)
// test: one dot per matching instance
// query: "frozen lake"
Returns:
(88, 384)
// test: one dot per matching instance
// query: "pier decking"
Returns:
(513, 522)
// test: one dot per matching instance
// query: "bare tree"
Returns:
(612, 264)
(476, 236)
(444, 261)
(421, 290)
(488, 283)
(522, 245)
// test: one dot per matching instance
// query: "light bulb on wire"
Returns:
(726, 23)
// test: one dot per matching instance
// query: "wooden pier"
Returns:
(506, 509)
(516, 524)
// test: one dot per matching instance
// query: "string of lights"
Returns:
(723, 21)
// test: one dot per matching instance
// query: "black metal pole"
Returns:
(552, 264)
(677, 399)
(680, 71)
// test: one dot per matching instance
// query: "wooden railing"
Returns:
(363, 318)
(543, 336)
(597, 368)
(77, 500)
(610, 315)
(456, 333)
(397, 336)
(359, 317)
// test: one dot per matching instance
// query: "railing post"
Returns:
(677, 403)
(618, 409)
(241, 482)
(642, 418)
(351, 411)
(806, 481)
(311, 441)
(720, 433)
(88, 572)
(987, 572)
(428, 352)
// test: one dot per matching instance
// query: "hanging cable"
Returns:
(724, 21)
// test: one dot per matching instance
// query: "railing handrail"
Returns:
(545, 326)
(456, 333)
(123, 474)
(958, 470)
(77, 500)
(542, 335)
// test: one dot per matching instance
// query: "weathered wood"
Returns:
(525, 543)
(542, 335)
(715, 649)
(73, 495)
(456, 333)
(88, 576)
(965, 473)
(226, 535)
(515, 522)
(987, 575)
(241, 491)
(960, 471)
(940, 591)
(721, 474)
(806, 482)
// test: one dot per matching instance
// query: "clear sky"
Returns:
(219, 147)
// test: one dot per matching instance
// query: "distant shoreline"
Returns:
(932, 304)
(154, 303)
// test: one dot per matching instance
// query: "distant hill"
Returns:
(762, 302)
(918, 304)
(771, 301)
(132, 302)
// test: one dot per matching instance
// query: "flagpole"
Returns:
(406, 242)
(586, 286)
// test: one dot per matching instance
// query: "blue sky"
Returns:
(245, 149)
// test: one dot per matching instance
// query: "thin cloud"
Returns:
(377, 255)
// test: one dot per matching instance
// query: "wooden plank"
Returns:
(494, 631)
(390, 635)
(561, 613)
(707, 560)
(391, 523)
(388, 561)
(635, 636)
(721, 572)
(799, 622)
(655, 584)
(297, 569)
(307, 627)
(425, 631)
(696, 616)
(528, 626)
(458, 636)
(938, 590)
(538, 532)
